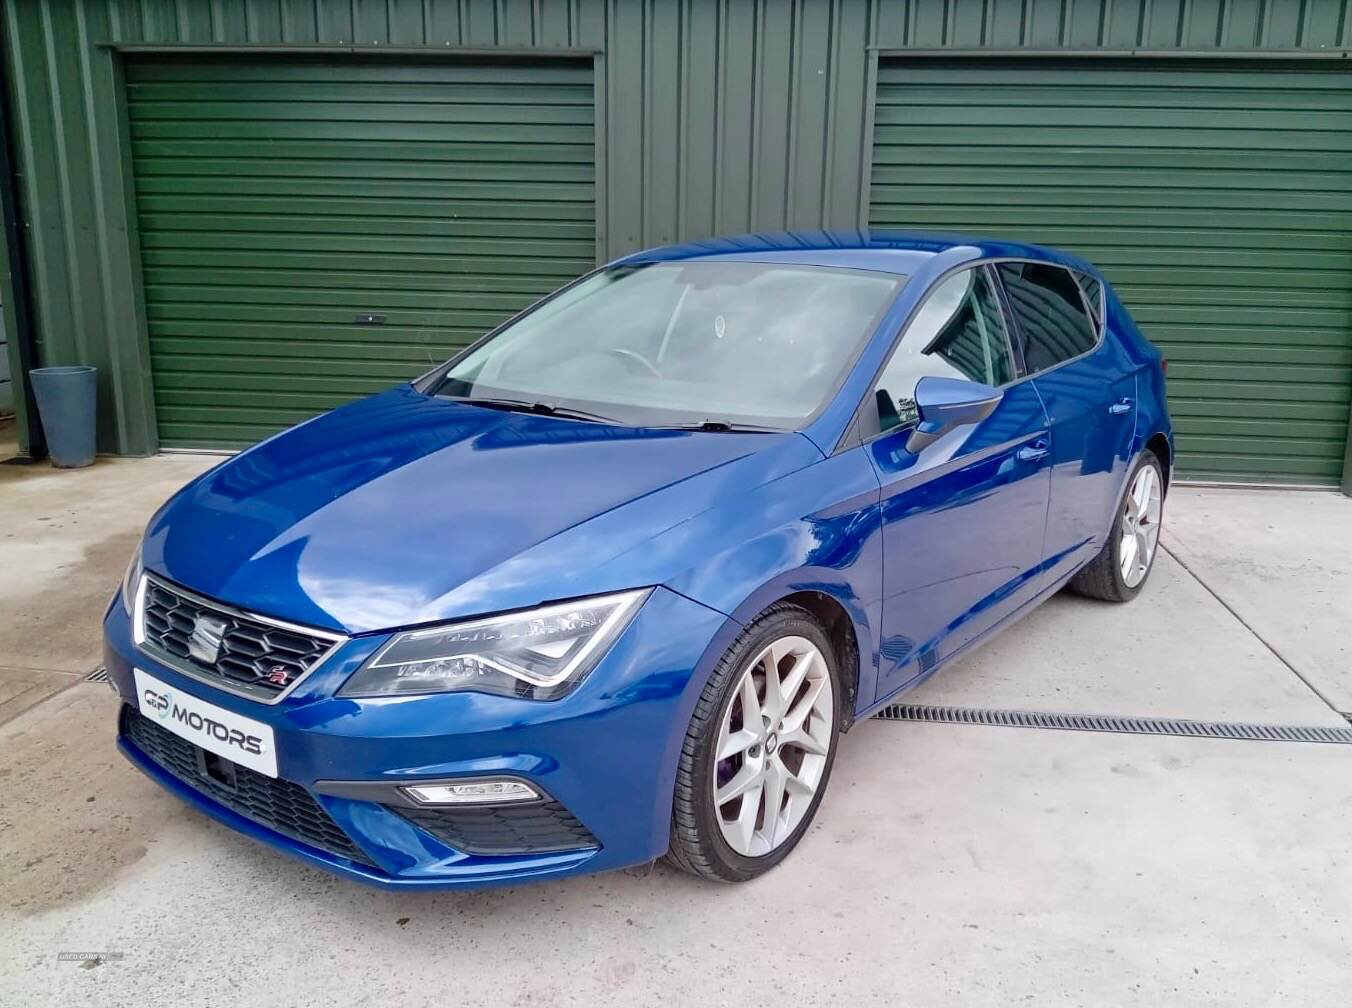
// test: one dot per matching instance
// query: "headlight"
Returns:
(130, 580)
(540, 654)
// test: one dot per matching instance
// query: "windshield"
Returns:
(667, 344)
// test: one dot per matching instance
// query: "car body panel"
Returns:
(1152, 410)
(1091, 447)
(1093, 444)
(636, 704)
(405, 510)
(955, 563)
(815, 530)
(380, 479)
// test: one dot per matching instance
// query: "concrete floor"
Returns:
(1254, 550)
(950, 865)
(65, 541)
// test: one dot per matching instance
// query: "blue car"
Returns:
(611, 584)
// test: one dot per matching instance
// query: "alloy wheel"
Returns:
(1140, 526)
(773, 745)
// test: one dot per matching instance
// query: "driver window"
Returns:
(959, 332)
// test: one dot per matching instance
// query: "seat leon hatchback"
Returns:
(613, 582)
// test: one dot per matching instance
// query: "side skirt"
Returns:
(976, 642)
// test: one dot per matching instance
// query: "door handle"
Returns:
(1032, 452)
(1120, 407)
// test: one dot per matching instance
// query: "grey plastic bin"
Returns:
(66, 398)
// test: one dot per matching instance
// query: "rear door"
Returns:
(963, 519)
(1089, 391)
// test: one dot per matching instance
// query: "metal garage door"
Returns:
(1218, 199)
(282, 200)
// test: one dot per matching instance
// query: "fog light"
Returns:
(496, 791)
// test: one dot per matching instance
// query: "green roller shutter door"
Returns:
(282, 199)
(1217, 198)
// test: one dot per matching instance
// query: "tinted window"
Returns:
(1050, 311)
(1093, 296)
(958, 332)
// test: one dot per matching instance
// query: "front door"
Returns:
(964, 518)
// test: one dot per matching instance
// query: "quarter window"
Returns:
(1093, 296)
(958, 332)
(1050, 312)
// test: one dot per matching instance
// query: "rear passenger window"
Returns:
(1093, 296)
(1050, 312)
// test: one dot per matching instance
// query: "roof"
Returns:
(902, 252)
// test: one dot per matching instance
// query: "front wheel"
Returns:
(759, 749)
(1118, 573)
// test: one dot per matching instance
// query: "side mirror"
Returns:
(946, 403)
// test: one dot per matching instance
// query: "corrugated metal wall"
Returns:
(719, 115)
(6, 383)
(286, 205)
(1217, 197)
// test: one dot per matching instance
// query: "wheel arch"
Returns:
(1159, 444)
(840, 630)
(848, 625)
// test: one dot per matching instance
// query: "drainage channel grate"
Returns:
(100, 674)
(1113, 723)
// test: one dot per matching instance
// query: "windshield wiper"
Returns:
(721, 427)
(569, 413)
(537, 407)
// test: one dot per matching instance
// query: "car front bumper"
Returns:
(604, 757)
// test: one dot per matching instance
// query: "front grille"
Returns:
(279, 805)
(253, 657)
(538, 828)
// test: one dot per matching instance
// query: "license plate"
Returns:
(239, 739)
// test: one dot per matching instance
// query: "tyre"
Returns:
(1120, 570)
(758, 753)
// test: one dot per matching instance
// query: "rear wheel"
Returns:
(759, 750)
(1120, 570)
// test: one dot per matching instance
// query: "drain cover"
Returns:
(100, 674)
(1115, 723)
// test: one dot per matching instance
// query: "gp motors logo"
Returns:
(167, 707)
(159, 703)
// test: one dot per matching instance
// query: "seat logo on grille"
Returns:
(204, 643)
